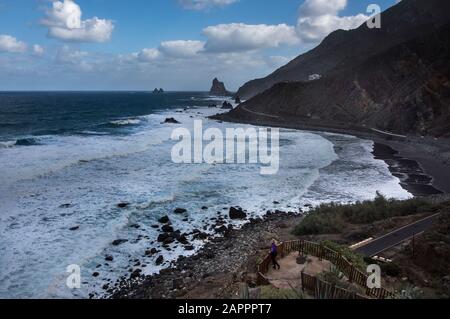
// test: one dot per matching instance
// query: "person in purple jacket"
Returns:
(274, 254)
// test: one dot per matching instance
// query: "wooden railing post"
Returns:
(322, 252)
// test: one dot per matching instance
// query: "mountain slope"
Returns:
(406, 20)
(405, 89)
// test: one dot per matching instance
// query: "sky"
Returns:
(179, 45)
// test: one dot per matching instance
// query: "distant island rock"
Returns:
(156, 91)
(218, 88)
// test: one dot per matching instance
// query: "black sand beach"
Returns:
(421, 163)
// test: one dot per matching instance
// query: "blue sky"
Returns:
(175, 44)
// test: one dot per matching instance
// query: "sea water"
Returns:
(68, 159)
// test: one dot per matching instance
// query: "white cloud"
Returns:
(181, 48)
(11, 44)
(204, 4)
(67, 55)
(64, 22)
(244, 37)
(148, 55)
(75, 59)
(38, 50)
(318, 18)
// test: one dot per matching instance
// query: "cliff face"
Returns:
(403, 22)
(404, 88)
(218, 88)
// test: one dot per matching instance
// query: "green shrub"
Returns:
(391, 269)
(354, 258)
(336, 278)
(331, 218)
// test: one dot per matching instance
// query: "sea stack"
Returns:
(156, 91)
(218, 88)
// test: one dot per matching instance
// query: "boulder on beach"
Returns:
(163, 237)
(227, 106)
(159, 260)
(167, 229)
(237, 213)
(119, 242)
(151, 252)
(180, 211)
(164, 220)
(171, 120)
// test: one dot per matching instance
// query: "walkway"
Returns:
(290, 272)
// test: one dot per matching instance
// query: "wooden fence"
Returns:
(353, 274)
(325, 290)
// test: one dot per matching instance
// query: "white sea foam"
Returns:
(92, 174)
(125, 122)
(7, 144)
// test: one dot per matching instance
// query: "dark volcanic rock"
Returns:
(119, 242)
(171, 120)
(136, 274)
(218, 88)
(167, 229)
(180, 211)
(163, 237)
(169, 240)
(156, 91)
(151, 252)
(227, 106)
(164, 220)
(183, 239)
(159, 260)
(237, 213)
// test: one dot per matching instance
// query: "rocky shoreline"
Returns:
(229, 256)
(212, 272)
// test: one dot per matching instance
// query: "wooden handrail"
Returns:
(353, 274)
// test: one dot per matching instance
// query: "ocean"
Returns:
(68, 159)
